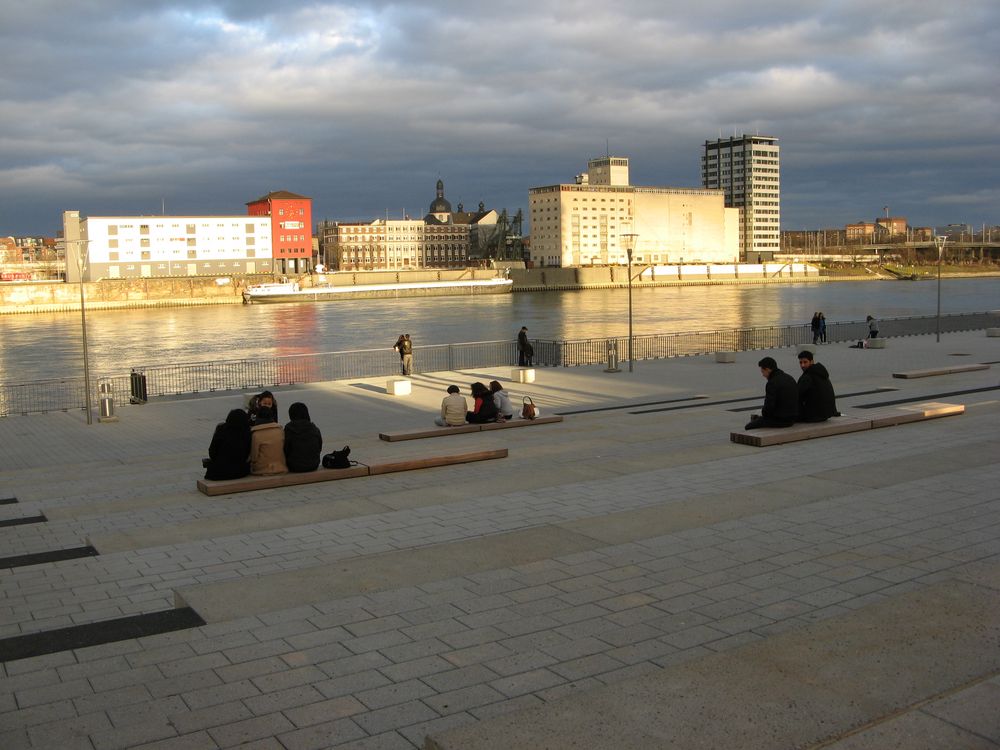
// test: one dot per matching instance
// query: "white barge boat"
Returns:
(292, 292)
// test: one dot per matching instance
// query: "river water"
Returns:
(48, 345)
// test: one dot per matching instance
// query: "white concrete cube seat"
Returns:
(725, 357)
(398, 387)
(523, 374)
(993, 332)
(875, 344)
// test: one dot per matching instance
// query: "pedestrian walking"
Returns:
(822, 328)
(814, 325)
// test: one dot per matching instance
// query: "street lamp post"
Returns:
(939, 241)
(82, 255)
(629, 241)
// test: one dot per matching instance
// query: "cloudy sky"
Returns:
(124, 106)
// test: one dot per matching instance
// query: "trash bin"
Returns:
(107, 403)
(612, 356)
(137, 390)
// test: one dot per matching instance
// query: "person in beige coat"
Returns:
(267, 445)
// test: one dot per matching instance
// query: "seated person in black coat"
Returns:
(817, 401)
(229, 453)
(484, 408)
(303, 441)
(781, 398)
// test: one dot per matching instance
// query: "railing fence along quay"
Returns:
(247, 374)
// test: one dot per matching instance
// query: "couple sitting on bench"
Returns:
(786, 402)
(490, 405)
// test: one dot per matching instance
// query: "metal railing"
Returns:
(249, 374)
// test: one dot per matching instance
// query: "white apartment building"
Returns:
(119, 247)
(586, 223)
(747, 169)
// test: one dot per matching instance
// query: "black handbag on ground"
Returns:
(338, 459)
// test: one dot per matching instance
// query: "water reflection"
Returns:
(48, 345)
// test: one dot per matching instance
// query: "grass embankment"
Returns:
(894, 271)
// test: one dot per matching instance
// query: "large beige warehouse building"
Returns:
(583, 223)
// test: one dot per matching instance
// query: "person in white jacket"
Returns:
(502, 400)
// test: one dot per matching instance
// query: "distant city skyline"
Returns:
(114, 107)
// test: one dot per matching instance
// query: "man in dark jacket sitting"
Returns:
(817, 401)
(781, 398)
(303, 441)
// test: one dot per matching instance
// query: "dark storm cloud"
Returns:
(112, 106)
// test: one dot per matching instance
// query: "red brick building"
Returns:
(291, 229)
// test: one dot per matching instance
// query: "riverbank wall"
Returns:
(614, 277)
(121, 294)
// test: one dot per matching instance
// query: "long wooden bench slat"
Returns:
(908, 413)
(948, 370)
(802, 431)
(245, 484)
(428, 433)
(887, 417)
(461, 429)
(427, 463)
(248, 484)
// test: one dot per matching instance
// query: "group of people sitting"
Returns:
(490, 404)
(252, 441)
(811, 399)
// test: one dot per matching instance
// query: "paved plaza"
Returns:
(628, 578)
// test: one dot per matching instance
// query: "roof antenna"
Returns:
(607, 147)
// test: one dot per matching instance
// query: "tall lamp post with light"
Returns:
(82, 257)
(939, 241)
(629, 240)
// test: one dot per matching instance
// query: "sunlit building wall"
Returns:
(586, 223)
(120, 247)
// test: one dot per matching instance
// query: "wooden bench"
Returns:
(885, 417)
(393, 437)
(890, 416)
(248, 484)
(947, 370)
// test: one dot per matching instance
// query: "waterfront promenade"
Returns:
(627, 578)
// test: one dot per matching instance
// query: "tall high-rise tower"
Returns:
(747, 169)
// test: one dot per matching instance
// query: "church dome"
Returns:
(440, 205)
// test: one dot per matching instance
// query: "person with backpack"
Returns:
(525, 351)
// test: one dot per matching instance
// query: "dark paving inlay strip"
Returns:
(929, 397)
(36, 558)
(8, 500)
(98, 633)
(629, 406)
(40, 518)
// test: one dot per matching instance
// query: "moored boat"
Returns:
(293, 292)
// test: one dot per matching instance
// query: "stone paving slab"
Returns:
(792, 690)
(224, 601)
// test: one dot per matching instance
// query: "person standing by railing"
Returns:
(398, 348)
(406, 351)
(525, 352)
